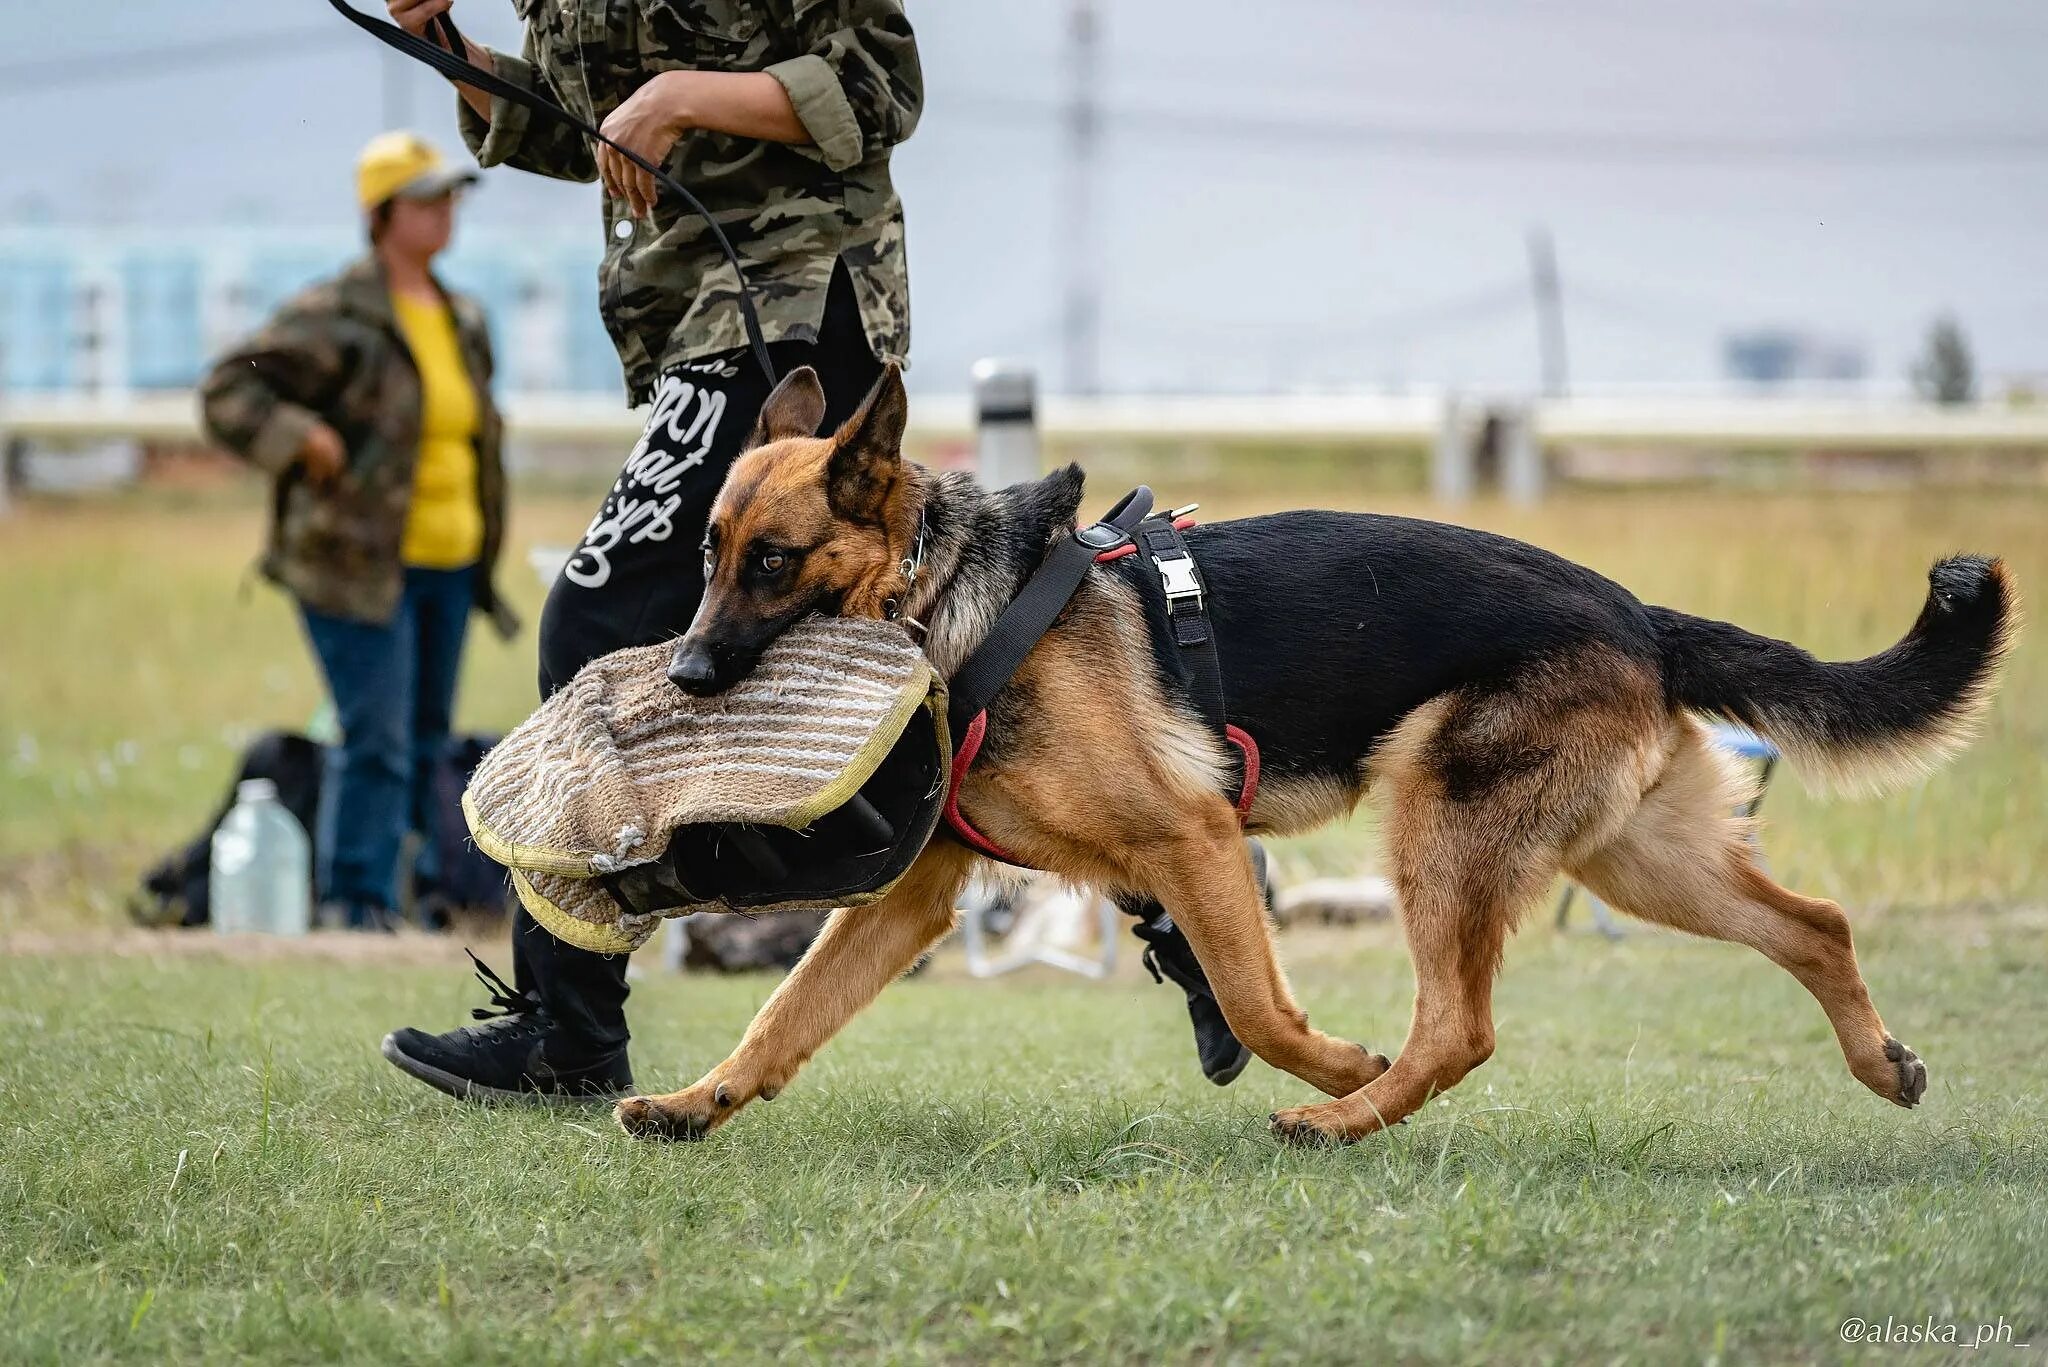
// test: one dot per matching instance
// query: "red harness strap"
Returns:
(970, 747)
(963, 760)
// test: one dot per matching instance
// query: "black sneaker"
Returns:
(504, 1056)
(1169, 955)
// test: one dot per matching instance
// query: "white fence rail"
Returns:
(1444, 423)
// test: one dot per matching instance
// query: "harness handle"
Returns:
(450, 62)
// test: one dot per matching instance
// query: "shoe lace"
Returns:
(1151, 934)
(513, 1007)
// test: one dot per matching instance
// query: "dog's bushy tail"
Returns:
(1860, 724)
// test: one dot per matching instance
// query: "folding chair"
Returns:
(994, 948)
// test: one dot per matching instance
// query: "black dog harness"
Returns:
(1130, 529)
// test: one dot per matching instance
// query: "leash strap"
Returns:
(450, 62)
(1031, 614)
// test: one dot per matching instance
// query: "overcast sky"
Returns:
(1299, 192)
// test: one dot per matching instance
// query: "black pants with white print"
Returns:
(636, 578)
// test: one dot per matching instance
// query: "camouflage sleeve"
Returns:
(253, 400)
(858, 90)
(513, 137)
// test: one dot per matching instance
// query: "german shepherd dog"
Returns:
(1515, 714)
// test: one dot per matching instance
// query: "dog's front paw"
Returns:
(1301, 1126)
(689, 1114)
(1911, 1074)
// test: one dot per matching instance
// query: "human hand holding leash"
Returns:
(417, 18)
(746, 104)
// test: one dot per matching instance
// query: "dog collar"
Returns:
(909, 567)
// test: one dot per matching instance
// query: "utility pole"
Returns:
(397, 94)
(1081, 323)
(1549, 313)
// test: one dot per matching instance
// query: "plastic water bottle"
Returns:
(262, 871)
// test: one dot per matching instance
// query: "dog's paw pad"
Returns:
(1912, 1073)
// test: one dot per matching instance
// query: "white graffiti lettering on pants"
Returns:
(642, 504)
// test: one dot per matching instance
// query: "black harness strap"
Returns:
(1031, 614)
(450, 62)
(1180, 579)
(1187, 616)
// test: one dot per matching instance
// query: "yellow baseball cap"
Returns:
(400, 163)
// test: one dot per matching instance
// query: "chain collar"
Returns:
(909, 567)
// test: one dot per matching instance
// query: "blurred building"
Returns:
(112, 312)
(1772, 357)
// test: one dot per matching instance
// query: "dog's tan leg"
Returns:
(860, 951)
(1682, 862)
(1456, 907)
(1204, 877)
(1483, 796)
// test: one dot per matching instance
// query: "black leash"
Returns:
(450, 62)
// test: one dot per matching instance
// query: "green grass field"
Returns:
(201, 1156)
(205, 1159)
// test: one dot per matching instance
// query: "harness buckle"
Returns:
(1177, 575)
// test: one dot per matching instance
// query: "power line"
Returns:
(165, 59)
(1368, 137)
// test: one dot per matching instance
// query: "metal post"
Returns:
(1549, 314)
(1081, 322)
(1522, 471)
(1005, 422)
(6, 444)
(1451, 474)
(397, 91)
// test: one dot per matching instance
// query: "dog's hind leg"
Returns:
(1483, 796)
(1204, 877)
(1457, 892)
(860, 951)
(1684, 861)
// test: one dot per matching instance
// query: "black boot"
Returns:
(506, 1056)
(1169, 955)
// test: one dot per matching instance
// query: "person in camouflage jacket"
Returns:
(780, 115)
(367, 399)
(798, 190)
(332, 356)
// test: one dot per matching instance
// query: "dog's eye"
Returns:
(773, 561)
(710, 561)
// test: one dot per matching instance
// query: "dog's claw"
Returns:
(644, 1118)
(1912, 1073)
(1293, 1127)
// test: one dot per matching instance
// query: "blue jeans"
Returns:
(394, 689)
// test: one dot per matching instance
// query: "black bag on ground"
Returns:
(177, 890)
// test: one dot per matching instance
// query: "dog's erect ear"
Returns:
(794, 410)
(867, 453)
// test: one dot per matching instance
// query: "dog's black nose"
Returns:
(694, 671)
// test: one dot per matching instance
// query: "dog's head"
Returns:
(804, 524)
